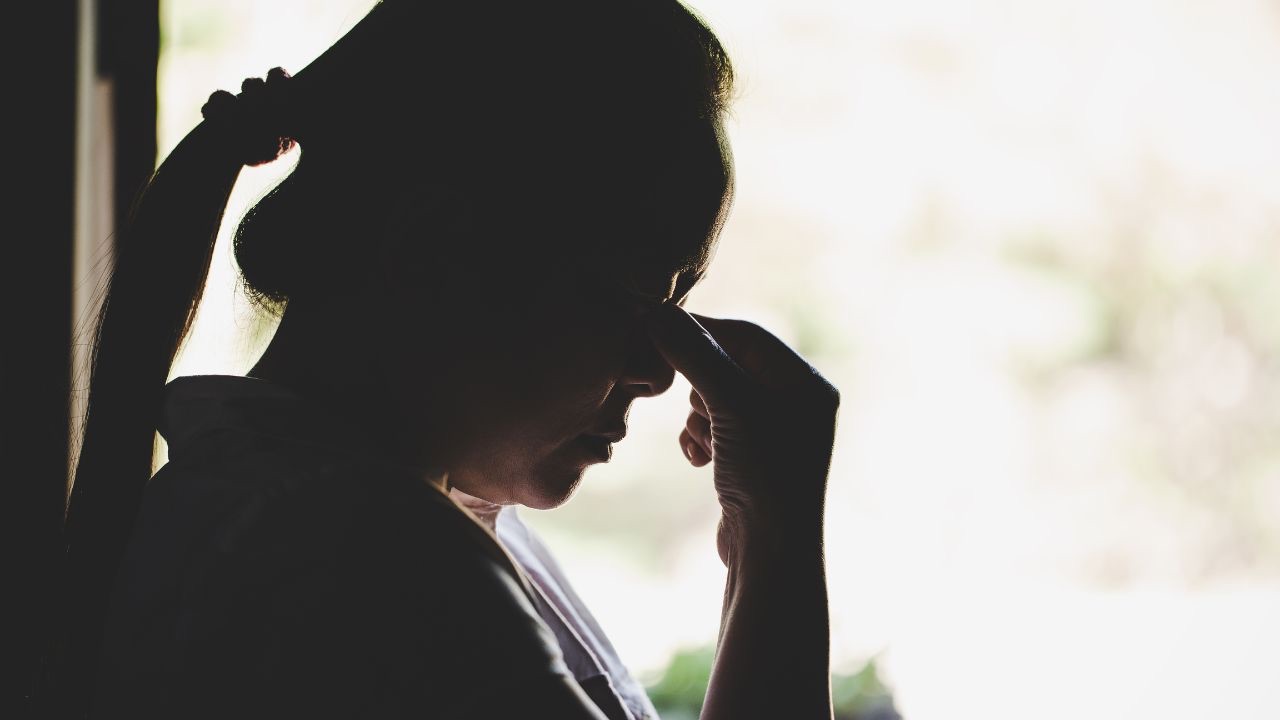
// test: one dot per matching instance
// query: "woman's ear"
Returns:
(422, 252)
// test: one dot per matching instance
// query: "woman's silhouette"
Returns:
(480, 259)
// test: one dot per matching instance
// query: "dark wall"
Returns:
(35, 314)
(36, 284)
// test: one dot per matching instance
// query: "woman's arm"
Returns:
(766, 418)
(772, 658)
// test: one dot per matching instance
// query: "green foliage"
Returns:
(678, 692)
(862, 696)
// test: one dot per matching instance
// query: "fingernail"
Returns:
(688, 450)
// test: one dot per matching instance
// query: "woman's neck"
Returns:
(486, 512)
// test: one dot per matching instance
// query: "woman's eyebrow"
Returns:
(631, 290)
(641, 295)
(685, 281)
(636, 296)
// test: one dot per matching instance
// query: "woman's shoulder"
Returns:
(269, 509)
(280, 495)
(278, 567)
(256, 467)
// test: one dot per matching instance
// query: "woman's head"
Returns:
(503, 187)
(511, 356)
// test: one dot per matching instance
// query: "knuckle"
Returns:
(824, 395)
(822, 387)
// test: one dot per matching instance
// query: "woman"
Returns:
(481, 260)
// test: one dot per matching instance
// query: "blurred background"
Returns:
(1037, 247)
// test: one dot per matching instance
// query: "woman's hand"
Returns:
(762, 414)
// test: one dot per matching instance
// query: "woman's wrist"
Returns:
(761, 539)
(773, 650)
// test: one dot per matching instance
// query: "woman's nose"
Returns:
(646, 373)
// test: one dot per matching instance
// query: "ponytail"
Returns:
(161, 263)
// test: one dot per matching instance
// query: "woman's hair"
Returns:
(542, 112)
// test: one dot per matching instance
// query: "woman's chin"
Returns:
(551, 488)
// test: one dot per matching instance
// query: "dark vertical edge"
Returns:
(35, 303)
(36, 293)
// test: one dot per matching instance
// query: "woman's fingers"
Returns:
(699, 428)
(692, 450)
(695, 440)
(760, 353)
(693, 352)
(700, 407)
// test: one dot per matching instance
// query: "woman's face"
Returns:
(534, 375)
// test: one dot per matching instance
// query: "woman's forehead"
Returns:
(661, 240)
(647, 226)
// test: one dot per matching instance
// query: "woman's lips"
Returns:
(597, 446)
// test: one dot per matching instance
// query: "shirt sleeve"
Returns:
(512, 659)
(499, 658)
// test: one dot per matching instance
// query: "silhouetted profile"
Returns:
(480, 260)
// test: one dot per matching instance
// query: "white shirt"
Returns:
(587, 651)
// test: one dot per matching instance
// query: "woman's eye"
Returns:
(613, 300)
(623, 303)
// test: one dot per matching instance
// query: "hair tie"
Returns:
(256, 119)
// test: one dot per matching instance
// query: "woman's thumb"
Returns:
(693, 352)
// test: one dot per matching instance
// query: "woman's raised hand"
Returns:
(762, 414)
